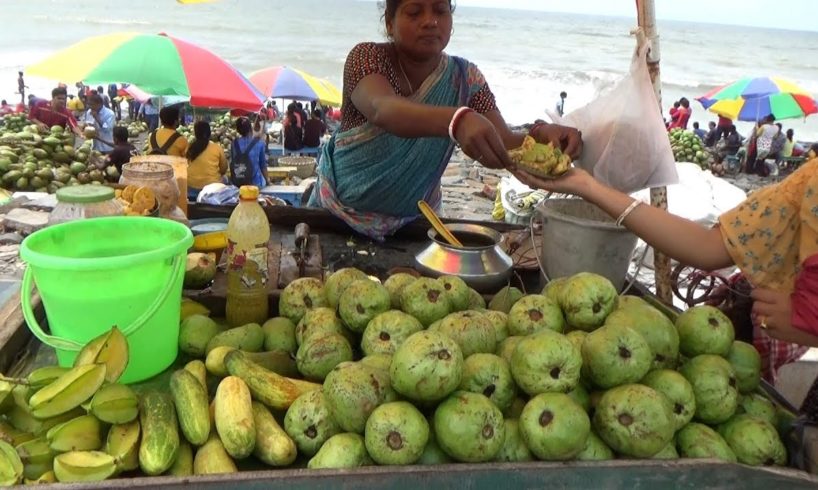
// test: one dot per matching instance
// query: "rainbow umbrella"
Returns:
(283, 82)
(753, 99)
(158, 64)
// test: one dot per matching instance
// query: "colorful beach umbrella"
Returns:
(753, 99)
(283, 82)
(158, 64)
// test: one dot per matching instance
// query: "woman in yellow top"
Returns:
(772, 237)
(166, 140)
(206, 161)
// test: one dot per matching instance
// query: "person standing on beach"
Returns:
(406, 105)
(113, 95)
(103, 120)
(314, 129)
(674, 114)
(45, 113)
(560, 108)
(150, 114)
(723, 126)
(683, 114)
(21, 87)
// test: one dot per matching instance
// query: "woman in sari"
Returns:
(772, 237)
(406, 104)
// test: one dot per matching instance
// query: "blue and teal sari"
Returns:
(373, 179)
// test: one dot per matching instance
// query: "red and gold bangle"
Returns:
(458, 115)
(535, 127)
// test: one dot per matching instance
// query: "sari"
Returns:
(373, 179)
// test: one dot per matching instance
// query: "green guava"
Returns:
(546, 362)
(615, 355)
(634, 420)
(554, 427)
(385, 332)
(586, 300)
(704, 330)
(533, 313)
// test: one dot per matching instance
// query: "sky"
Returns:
(780, 14)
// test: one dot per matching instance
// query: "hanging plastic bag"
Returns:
(625, 141)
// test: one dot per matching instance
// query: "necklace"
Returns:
(400, 65)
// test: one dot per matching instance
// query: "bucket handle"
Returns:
(71, 345)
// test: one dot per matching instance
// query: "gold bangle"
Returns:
(627, 212)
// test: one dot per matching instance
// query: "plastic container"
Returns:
(248, 232)
(97, 273)
(160, 178)
(84, 201)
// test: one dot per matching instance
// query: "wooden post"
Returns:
(646, 15)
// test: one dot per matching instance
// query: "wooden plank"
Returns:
(14, 333)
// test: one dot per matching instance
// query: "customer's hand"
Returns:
(569, 140)
(773, 311)
(575, 181)
(479, 139)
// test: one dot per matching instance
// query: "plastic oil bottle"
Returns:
(248, 232)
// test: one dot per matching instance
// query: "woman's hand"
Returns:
(569, 140)
(773, 309)
(576, 181)
(479, 139)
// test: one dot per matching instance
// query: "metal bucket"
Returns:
(580, 237)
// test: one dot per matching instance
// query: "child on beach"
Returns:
(121, 154)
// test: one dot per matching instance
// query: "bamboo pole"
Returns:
(646, 15)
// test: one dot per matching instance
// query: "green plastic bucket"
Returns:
(99, 273)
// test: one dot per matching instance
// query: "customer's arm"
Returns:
(680, 238)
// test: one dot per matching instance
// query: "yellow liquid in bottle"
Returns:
(248, 233)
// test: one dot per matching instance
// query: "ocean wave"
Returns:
(59, 19)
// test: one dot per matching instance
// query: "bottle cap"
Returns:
(248, 192)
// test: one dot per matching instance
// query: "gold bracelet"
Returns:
(627, 212)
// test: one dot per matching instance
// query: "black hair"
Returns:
(712, 124)
(780, 127)
(95, 98)
(299, 105)
(243, 126)
(390, 8)
(677, 104)
(202, 132)
(563, 94)
(733, 128)
(120, 134)
(169, 116)
(696, 124)
(59, 91)
(317, 113)
(684, 102)
(790, 133)
(3, 102)
(100, 89)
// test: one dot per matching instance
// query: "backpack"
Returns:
(162, 150)
(241, 167)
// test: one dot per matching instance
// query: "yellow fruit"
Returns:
(81, 466)
(197, 368)
(11, 468)
(213, 459)
(190, 307)
(269, 388)
(273, 446)
(115, 404)
(68, 391)
(234, 417)
(123, 444)
(78, 434)
(183, 466)
(110, 349)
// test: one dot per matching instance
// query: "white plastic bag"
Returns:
(625, 141)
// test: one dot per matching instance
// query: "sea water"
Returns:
(527, 57)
